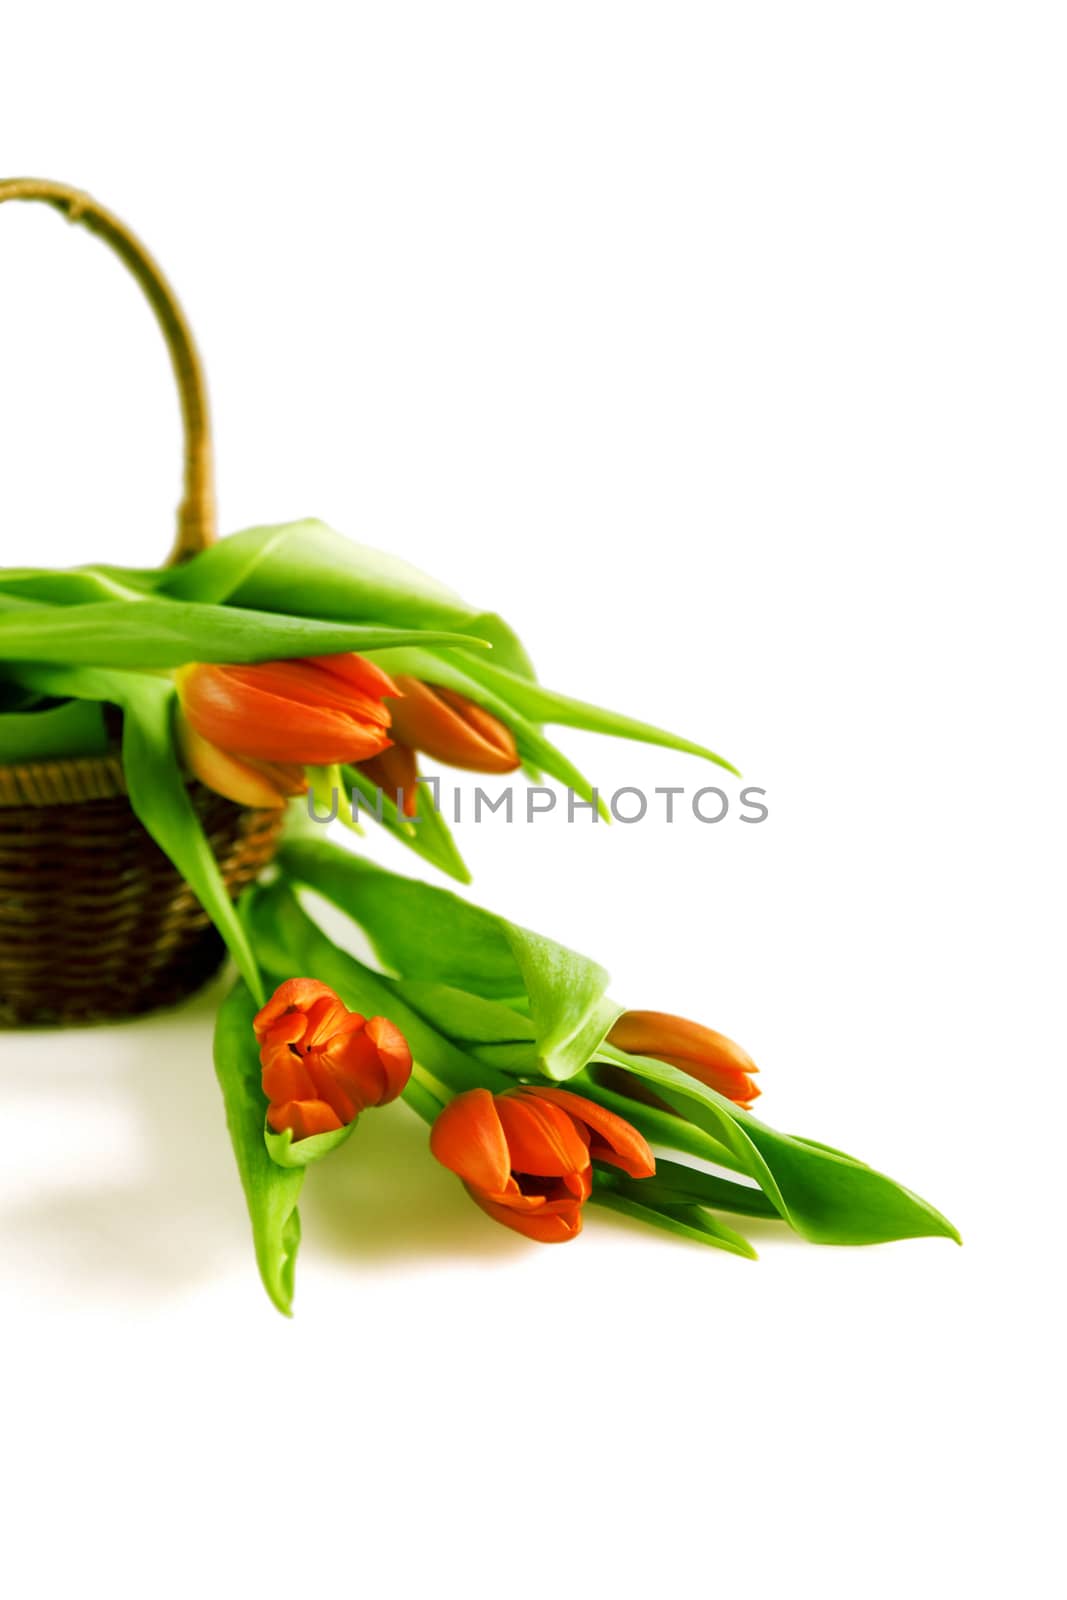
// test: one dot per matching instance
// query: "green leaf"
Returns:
(827, 1197)
(688, 1222)
(836, 1199)
(271, 1191)
(157, 789)
(445, 668)
(539, 704)
(308, 569)
(428, 834)
(433, 936)
(570, 1012)
(290, 943)
(508, 649)
(675, 1185)
(156, 634)
(468, 1017)
(427, 1098)
(74, 586)
(72, 728)
(417, 931)
(287, 1152)
(302, 569)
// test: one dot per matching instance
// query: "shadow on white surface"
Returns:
(120, 1187)
(123, 1181)
(383, 1199)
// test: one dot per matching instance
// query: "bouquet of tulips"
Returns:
(289, 668)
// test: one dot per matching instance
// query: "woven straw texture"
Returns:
(95, 923)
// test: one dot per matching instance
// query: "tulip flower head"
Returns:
(323, 1064)
(710, 1057)
(447, 727)
(526, 1156)
(248, 731)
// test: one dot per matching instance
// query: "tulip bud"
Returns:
(323, 1064)
(710, 1057)
(452, 729)
(526, 1156)
(316, 711)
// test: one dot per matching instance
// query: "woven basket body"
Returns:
(94, 920)
(95, 923)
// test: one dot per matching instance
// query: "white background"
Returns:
(722, 348)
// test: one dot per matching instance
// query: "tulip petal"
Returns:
(304, 1117)
(451, 728)
(612, 1139)
(395, 773)
(261, 785)
(343, 1099)
(733, 1082)
(282, 712)
(305, 683)
(308, 691)
(366, 677)
(328, 1016)
(467, 1139)
(394, 1054)
(356, 1066)
(489, 729)
(551, 1223)
(654, 1033)
(295, 994)
(542, 1139)
(285, 1075)
(288, 1029)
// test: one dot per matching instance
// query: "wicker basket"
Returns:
(95, 922)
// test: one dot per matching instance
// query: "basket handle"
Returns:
(196, 514)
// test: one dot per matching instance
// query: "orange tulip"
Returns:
(526, 1156)
(446, 726)
(451, 728)
(323, 1064)
(710, 1057)
(311, 712)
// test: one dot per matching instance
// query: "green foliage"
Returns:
(271, 1191)
(155, 634)
(431, 935)
(289, 943)
(490, 985)
(427, 833)
(481, 1000)
(71, 728)
(825, 1195)
(307, 569)
(687, 1221)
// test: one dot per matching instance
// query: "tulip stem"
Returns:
(425, 1094)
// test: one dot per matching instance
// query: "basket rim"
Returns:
(61, 780)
